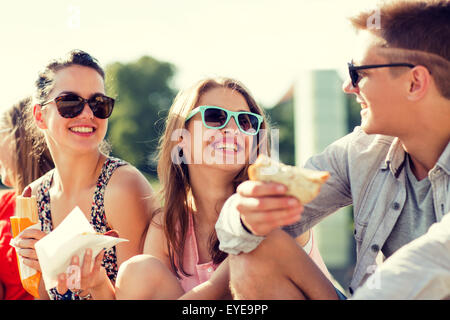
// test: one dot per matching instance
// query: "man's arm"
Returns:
(263, 207)
(232, 235)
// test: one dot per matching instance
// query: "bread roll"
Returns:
(26, 207)
(302, 183)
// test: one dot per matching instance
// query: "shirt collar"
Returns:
(444, 159)
(395, 158)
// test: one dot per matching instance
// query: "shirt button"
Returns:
(396, 205)
(375, 247)
(210, 269)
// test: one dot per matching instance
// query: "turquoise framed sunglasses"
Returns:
(217, 118)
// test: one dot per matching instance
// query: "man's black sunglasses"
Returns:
(71, 105)
(354, 75)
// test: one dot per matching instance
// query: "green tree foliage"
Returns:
(143, 96)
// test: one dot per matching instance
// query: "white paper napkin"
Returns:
(72, 237)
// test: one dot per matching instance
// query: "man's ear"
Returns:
(38, 116)
(420, 81)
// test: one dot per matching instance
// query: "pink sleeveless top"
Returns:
(312, 250)
(199, 272)
(202, 272)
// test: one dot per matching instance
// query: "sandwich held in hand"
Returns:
(301, 183)
(71, 238)
(26, 216)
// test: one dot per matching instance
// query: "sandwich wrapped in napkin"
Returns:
(302, 183)
(72, 237)
(26, 216)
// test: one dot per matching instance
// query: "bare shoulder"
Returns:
(127, 181)
(129, 192)
(129, 178)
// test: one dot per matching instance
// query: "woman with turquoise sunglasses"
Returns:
(213, 131)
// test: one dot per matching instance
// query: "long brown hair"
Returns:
(174, 176)
(31, 157)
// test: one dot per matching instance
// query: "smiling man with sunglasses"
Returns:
(394, 169)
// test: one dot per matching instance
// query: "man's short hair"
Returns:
(421, 28)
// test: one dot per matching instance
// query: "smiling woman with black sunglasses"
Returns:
(71, 111)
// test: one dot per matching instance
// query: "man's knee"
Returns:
(276, 244)
(243, 275)
(249, 272)
(262, 257)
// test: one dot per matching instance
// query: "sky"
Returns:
(262, 43)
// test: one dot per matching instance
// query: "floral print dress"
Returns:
(98, 218)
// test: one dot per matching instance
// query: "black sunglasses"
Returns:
(71, 105)
(355, 76)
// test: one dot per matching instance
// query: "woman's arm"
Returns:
(156, 242)
(129, 202)
(149, 276)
